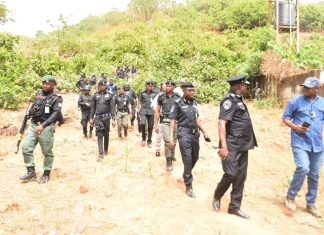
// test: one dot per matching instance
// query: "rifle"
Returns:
(22, 127)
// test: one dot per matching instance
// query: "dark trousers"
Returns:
(102, 132)
(133, 115)
(85, 118)
(150, 124)
(235, 170)
(189, 148)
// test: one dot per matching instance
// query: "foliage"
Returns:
(312, 17)
(266, 103)
(3, 14)
(204, 41)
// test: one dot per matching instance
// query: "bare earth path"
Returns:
(130, 192)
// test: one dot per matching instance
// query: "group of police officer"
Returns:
(179, 118)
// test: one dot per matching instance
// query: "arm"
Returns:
(157, 117)
(297, 128)
(93, 110)
(201, 128)
(171, 140)
(223, 152)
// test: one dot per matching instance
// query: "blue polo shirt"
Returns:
(301, 109)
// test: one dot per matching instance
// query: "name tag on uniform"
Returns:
(124, 102)
(47, 110)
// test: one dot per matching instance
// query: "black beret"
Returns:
(187, 85)
(240, 78)
(170, 82)
(102, 81)
(149, 82)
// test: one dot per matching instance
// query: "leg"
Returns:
(195, 148)
(125, 123)
(150, 124)
(186, 155)
(84, 123)
(301, 159)
(46, 140)
(229, 166)
(106, 134)
(29, 145)
(238, 183)
(315, 160)
(143, 124)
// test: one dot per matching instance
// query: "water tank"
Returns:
(284, 18)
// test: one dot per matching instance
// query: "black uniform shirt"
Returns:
(239, 130)
(166, 102)
(122, 103)
(46, 108)
(146, 99)
(84, 100)
(102, 103)
(131, 94)
(186, 113)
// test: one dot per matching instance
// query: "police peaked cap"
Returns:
(102, 81)
(187, 85)
(48, 78)
(240, 78)
(170, 82)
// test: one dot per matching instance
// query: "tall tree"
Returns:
(3, 13)
(143, 9)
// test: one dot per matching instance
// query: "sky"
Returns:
(31, 16)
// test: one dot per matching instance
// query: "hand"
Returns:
(206, 137)
(130, 116)
(91, 122)
(39, 130)
(156, 129)
(300, 129)
(171, 145)
(223, 153)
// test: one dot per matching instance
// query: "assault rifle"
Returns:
(23, 127)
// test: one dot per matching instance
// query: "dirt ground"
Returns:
(129, 192)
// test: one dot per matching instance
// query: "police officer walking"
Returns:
(133, 101)
(82, 81)
(165, 101)
(45, 111)
(84, 102)
(102, 108)
(122, 103)
(184, 112)
(236, 138)
(147, 112)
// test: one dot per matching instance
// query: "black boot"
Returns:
(30, 175)
(189, 191)
(169, 166)
(125, 131)
(90, 132)
(85, 132)
(45, 177)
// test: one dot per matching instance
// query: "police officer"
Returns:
(147, 112)
(102, 108)
(133, 101)
(93, 80)
(165, 101)
(236, 138)
(44, 112)
(184, 112)
(82, 81)
(84, 102)
(123, 104)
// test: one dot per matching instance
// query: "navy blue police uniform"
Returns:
(240, 138)
(103, 109)
(185, 112)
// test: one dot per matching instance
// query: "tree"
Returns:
(143, 9)
(3, 14)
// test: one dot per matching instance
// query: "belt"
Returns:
(188, 130)
(102, 115)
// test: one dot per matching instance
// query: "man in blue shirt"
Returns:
(304, 115)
